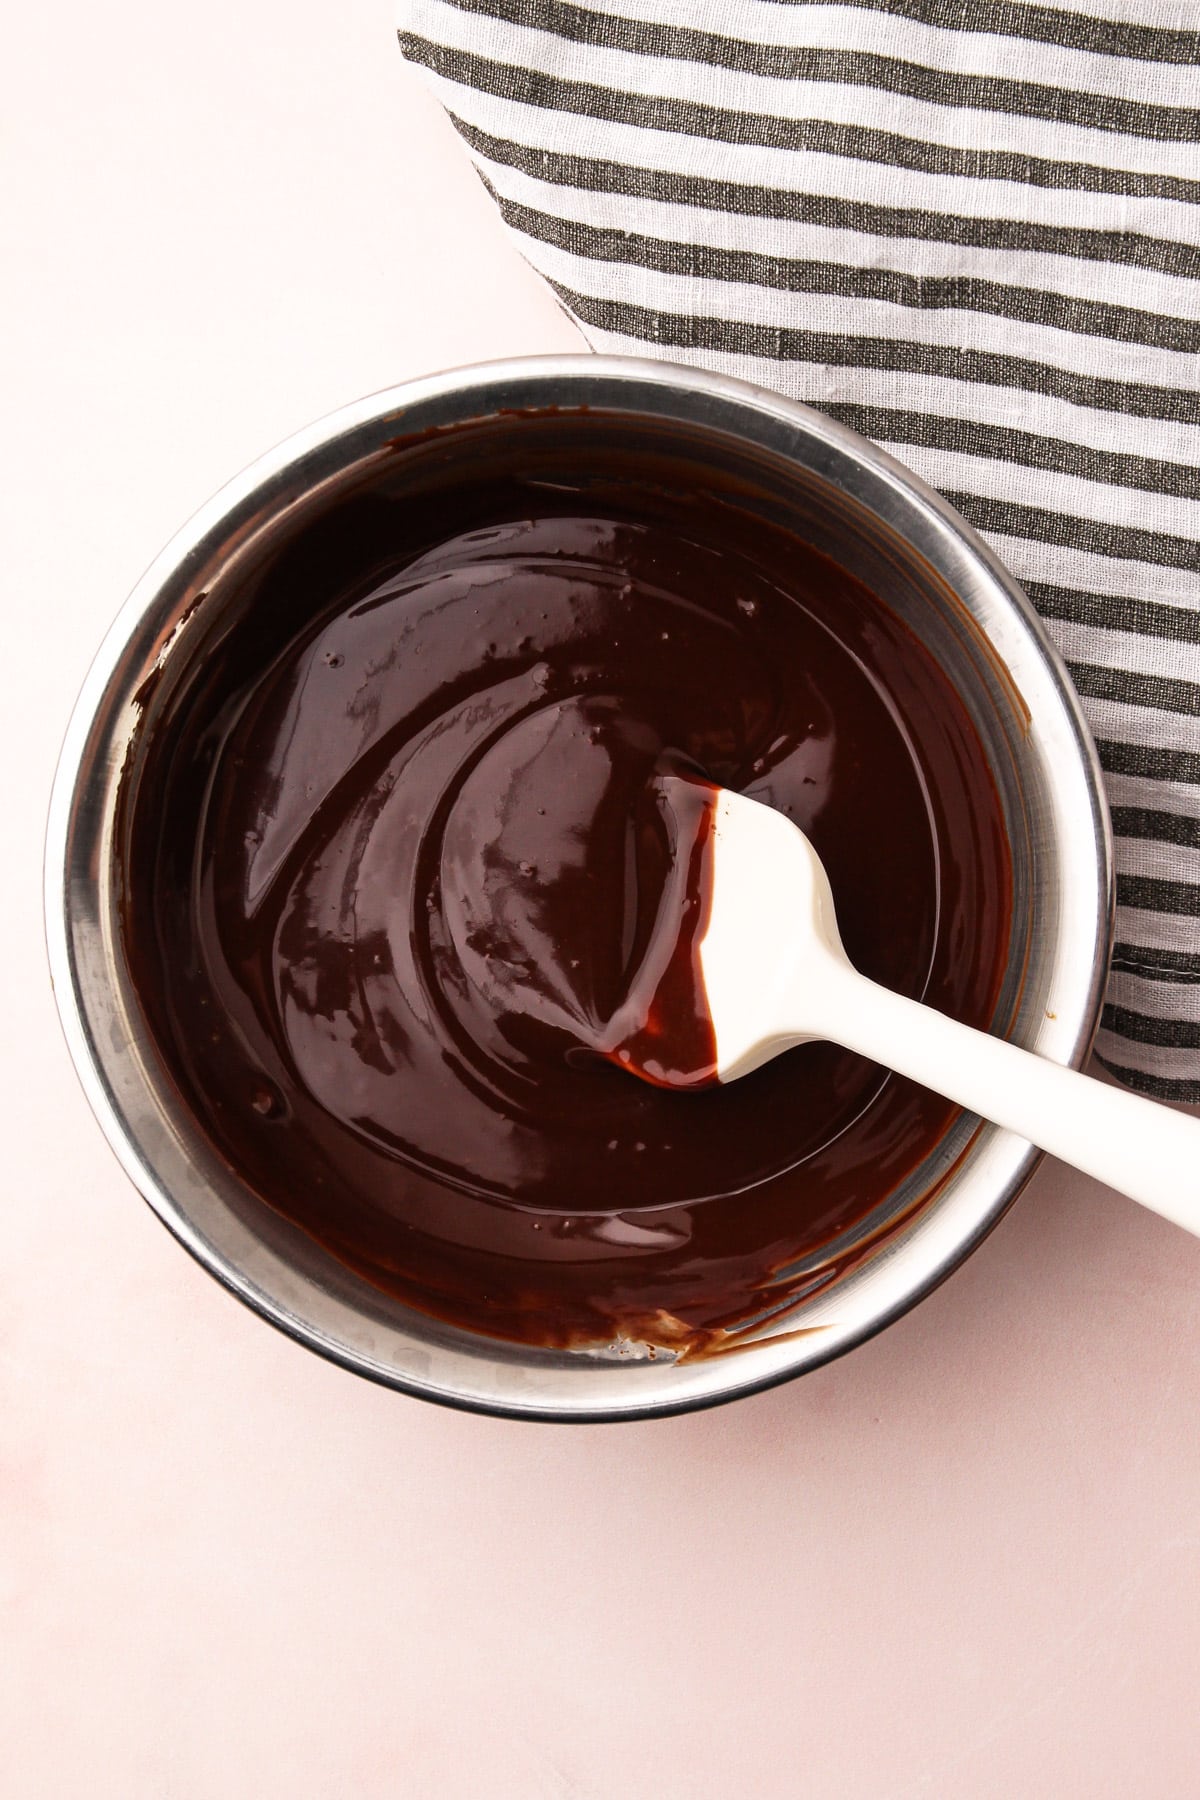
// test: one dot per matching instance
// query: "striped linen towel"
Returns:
(969, 229)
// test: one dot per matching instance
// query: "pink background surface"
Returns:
(964, 1561)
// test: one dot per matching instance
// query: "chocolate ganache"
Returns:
(399, 852)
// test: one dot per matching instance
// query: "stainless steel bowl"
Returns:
(872, 516)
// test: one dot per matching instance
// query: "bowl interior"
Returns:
(572, 420)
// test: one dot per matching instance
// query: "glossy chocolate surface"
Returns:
(400, 845)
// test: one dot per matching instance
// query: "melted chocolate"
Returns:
(401, 849)
(664, 1031)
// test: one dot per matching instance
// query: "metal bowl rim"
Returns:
(586, 371)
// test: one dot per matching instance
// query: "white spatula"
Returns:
(775, 975)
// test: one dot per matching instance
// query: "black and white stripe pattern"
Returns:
(971, 230)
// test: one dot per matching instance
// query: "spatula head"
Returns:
(771, 929)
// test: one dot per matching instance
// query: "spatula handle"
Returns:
(1137, 1146)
